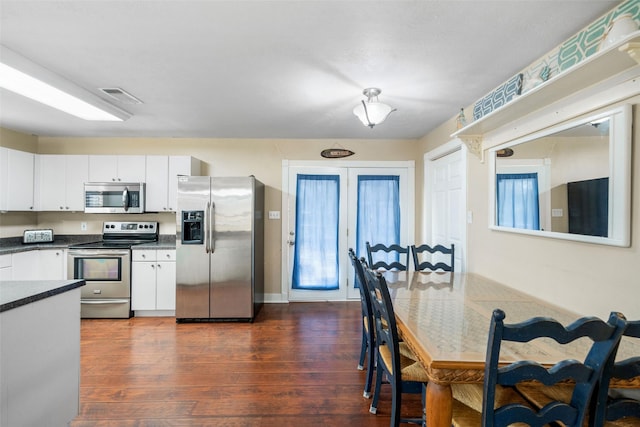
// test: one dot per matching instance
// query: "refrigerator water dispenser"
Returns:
(192, 227)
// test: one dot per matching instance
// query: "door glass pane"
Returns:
(98, 269)
(378, 213)
(315, 259)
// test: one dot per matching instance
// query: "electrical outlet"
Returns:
(83, 226)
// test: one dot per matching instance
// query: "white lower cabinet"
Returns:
(6, 271)
(40, 264)
(153, 281)
(52, 264)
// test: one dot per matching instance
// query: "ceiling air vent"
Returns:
(120, 95)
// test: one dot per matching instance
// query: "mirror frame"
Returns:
(619, 177)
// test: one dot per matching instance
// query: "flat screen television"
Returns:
(589, 207)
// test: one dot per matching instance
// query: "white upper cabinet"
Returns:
(16, 180)
(60, 183)
(157, 183)
(162, 180)
(117, 168)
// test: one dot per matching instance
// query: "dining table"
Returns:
(444, 318)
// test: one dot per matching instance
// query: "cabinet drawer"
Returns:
(166, 255)
(143, 255)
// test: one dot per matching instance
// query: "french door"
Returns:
(320, 221)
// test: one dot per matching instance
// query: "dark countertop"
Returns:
(165, 241)
(14, 294)
(12, 245)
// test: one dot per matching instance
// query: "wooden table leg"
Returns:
(439, 405)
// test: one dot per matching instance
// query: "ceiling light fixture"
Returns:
(19, 75)
(372, 112)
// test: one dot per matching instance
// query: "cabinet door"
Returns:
(77, 173)
(61, 181)
(131, 168)
(166, 285)
(103, 168)
(4, 178)
(25, 265)
(20, 167)
(51, 182)
(51, 264)
(5, 268)
(143, 285)
(179, 165)
(157, 180)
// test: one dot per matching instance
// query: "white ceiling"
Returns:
(278, 69)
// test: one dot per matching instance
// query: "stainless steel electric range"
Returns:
(105, 266)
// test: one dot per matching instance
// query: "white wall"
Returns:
(589, 279)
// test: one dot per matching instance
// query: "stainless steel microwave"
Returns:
(114, 197)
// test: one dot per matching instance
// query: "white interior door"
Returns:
(348, 173)
(445, 201)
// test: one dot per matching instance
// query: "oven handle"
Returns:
(98, 252)
(104, 301)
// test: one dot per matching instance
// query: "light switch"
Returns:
(274, 214)
(469, 217)
(556, 212)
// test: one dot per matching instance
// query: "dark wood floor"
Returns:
(294, 366)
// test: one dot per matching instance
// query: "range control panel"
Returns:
(37, 236)
(135, 227)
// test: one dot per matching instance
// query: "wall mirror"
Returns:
(570, 181)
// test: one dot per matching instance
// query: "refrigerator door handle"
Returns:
(212, 227)
(207, 226)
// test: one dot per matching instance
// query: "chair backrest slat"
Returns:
(402, 253)
(427, 265)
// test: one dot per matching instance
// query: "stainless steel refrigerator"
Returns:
(219, 248)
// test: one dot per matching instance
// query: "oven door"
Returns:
(107, 274)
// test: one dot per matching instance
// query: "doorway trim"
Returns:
(429, 157)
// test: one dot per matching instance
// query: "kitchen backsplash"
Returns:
(13, 224)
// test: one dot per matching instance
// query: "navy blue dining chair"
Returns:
(404, 373)
(399, 253)
(530, 377)
(367, 348)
